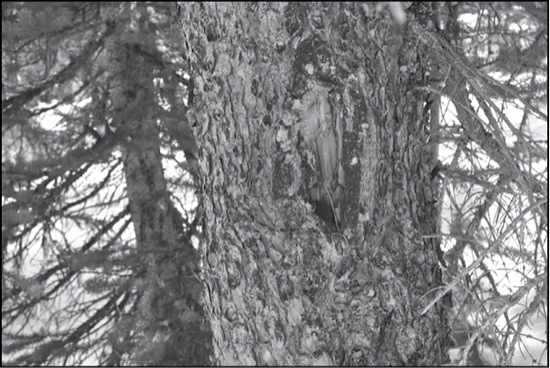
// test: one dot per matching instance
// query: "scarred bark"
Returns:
(284, 284)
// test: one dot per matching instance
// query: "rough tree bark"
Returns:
(282, 93)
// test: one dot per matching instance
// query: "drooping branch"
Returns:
(13, 104)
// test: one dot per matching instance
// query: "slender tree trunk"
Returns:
(318, 202)
(169, 322)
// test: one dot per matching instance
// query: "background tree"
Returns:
(103, 290)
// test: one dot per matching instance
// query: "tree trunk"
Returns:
(318, 199)
(169, 322)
